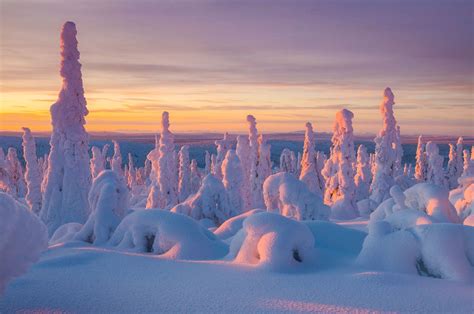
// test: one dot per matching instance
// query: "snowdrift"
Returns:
(22, 238)
(233, 225)
(170, 235)
(274, 242)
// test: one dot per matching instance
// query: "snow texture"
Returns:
(308, 163)
(290, 197)
(233, 180)
(98, 160)
(233, 225)
(23, 238)
(34, 196)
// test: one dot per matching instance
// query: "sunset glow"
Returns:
(213, 63)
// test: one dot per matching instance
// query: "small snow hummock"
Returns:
(231, 226)
(22, 239)
(33, 197)
(273, 242)
(167, 234)
(290, 197)
(211, 201)
(68, 179)
(338, 170)
(108, 199)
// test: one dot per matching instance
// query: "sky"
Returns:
(210, 63)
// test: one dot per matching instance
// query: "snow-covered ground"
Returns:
(84, 279)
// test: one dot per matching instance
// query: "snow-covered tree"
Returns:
(15, 173)
(223, 146)
(243, 152)
(34, 197)
(421, 166)
(338, 170)
(363, 174)
(98, 160)
(195, 177)
(184, 183)
(435, 165)
(388, 151)
(459, 157)
(207, 163)
(320, 161)
(451, 171)
(468, 164)
(308, 163)
(68, 179)
(116, 161)
(164, 192)
(233, 180)
(256, 197)
(264, 169)
(287, 161)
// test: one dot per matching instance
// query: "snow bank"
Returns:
(429, 198)
(108, 199)
(211, 201)
(65, 233)
(285, 194)
(23, 238)
(233, 225)
(167, 234)
(273, 242)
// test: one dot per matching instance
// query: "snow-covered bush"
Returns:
(68, 179)
(429, 198)
(273, 242)
(290, 197)
(22, 238)
(338, 170)
(435, 250)
(233, 225)
(167, 234)
(33, 197)
(108, 200)
(210, 201)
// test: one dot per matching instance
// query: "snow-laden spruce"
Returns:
(273, 242)
(13, 178)
(435, 173)
(68, 179)
(308, 163)
(290, 197)
(23, 238)
(98, 160)
(34, 196)
(242, 150)
(164, 191)
(195, 177)
(264, 166)
(421, 166)
(255, 190)
(338, 170)
(463, 196)
(288, 161)
(388, 151)
(184, 174)
(233, 180)
(108, 199)
(210, 202)
(363, 175)
(116, 159)
(167, 234)
(223, 146)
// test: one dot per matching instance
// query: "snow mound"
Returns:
(425, 197)
(211, 201)
(273, 242)
(65, 233)
(283, 193)
(441, 250)
(167, 234)
(233, 225)
(108, 200)
(463, 200)
(23, 238)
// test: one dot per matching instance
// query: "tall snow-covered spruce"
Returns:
(68, 178)
(308, 163)
(164, 192)
(32, 174)
(421, 166)
(339, 171)
(388, 151)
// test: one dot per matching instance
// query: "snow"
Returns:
(169, 235)
(231, 226)
(290, 197)
(68, 179)
(33, 197)
(273, 242)
(233, 180)
(108, 200)
(23, 237)
(308, 163)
